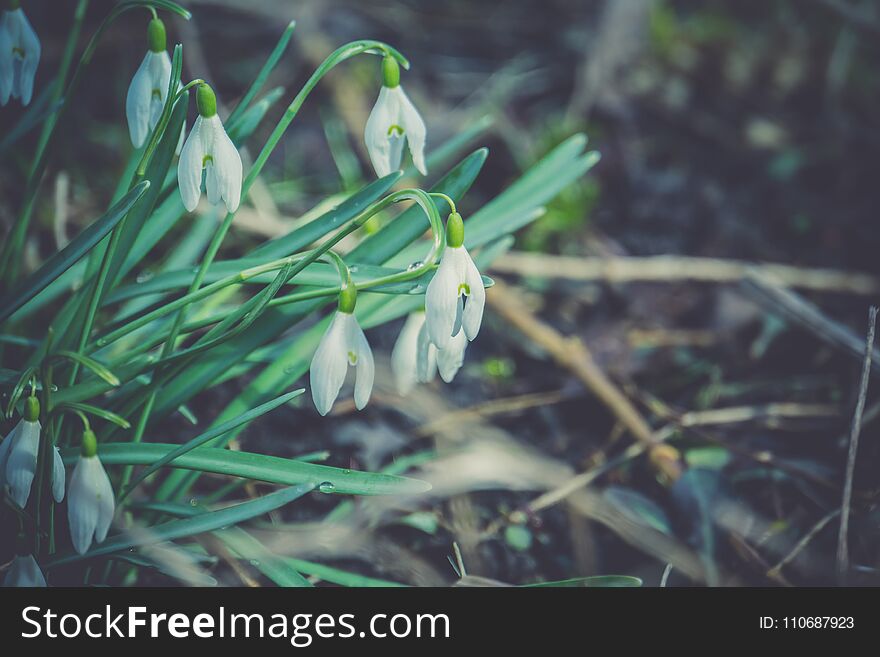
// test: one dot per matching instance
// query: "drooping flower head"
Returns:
(18, 457)
(90, 503)
(208, 147)
(456, 295)
(24, 570)
(19, 54)
(149, 86)
(343, 345)
(393, 121)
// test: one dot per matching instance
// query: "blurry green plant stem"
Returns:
(338, 56)
(11, 253)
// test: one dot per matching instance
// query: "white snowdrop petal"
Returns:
(160, 79)
(405, 353)
(366, 369)
(30, 44)
(6, 70)
(5, 449)
(212, 186)
(22, 462)
(472, 317)
(24, 572)
(82, 511)
(227, 164)
(426, 363)
(58, 475)
(104, 501)
(441, 299)
(382, 117)
(396, 143)
(137, 103)
(189, 167)
(414, 127)
(450, 360)
(329, 365)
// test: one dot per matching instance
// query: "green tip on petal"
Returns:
(89, 443)
(454, 230)
(390, 72)
(156, 35)
(347, 299)
(12, 5)
(206, 101)
(31, 409)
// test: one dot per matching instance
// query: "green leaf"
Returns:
(597, 581)
(177, 529)
(90, 364)
(97, 412)
(212, 433)
(262, 76)
(156, 171)
(66, 257)
(260, 467)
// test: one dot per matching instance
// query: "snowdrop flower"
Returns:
(343, 344)
(19, 54)
(208, 147)
(90, 503)
(24, 571)
(455, 296)
(18, 457)
(414, 358)
(149, 86)
(394, 120)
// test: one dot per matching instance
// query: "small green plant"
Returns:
(94, 355)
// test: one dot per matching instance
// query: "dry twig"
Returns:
(842, 539)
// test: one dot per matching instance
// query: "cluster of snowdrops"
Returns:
(432, 339)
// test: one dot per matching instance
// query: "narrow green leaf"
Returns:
(597, 581)
(90, 364)
(263, 75)
(260, 467)
(212, 433)
(97, 412)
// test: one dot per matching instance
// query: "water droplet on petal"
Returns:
(327, 487)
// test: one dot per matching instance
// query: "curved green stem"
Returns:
(340, 55)
(446, 198)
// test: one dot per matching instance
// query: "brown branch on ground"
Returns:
(667, 269)
(572, 354)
